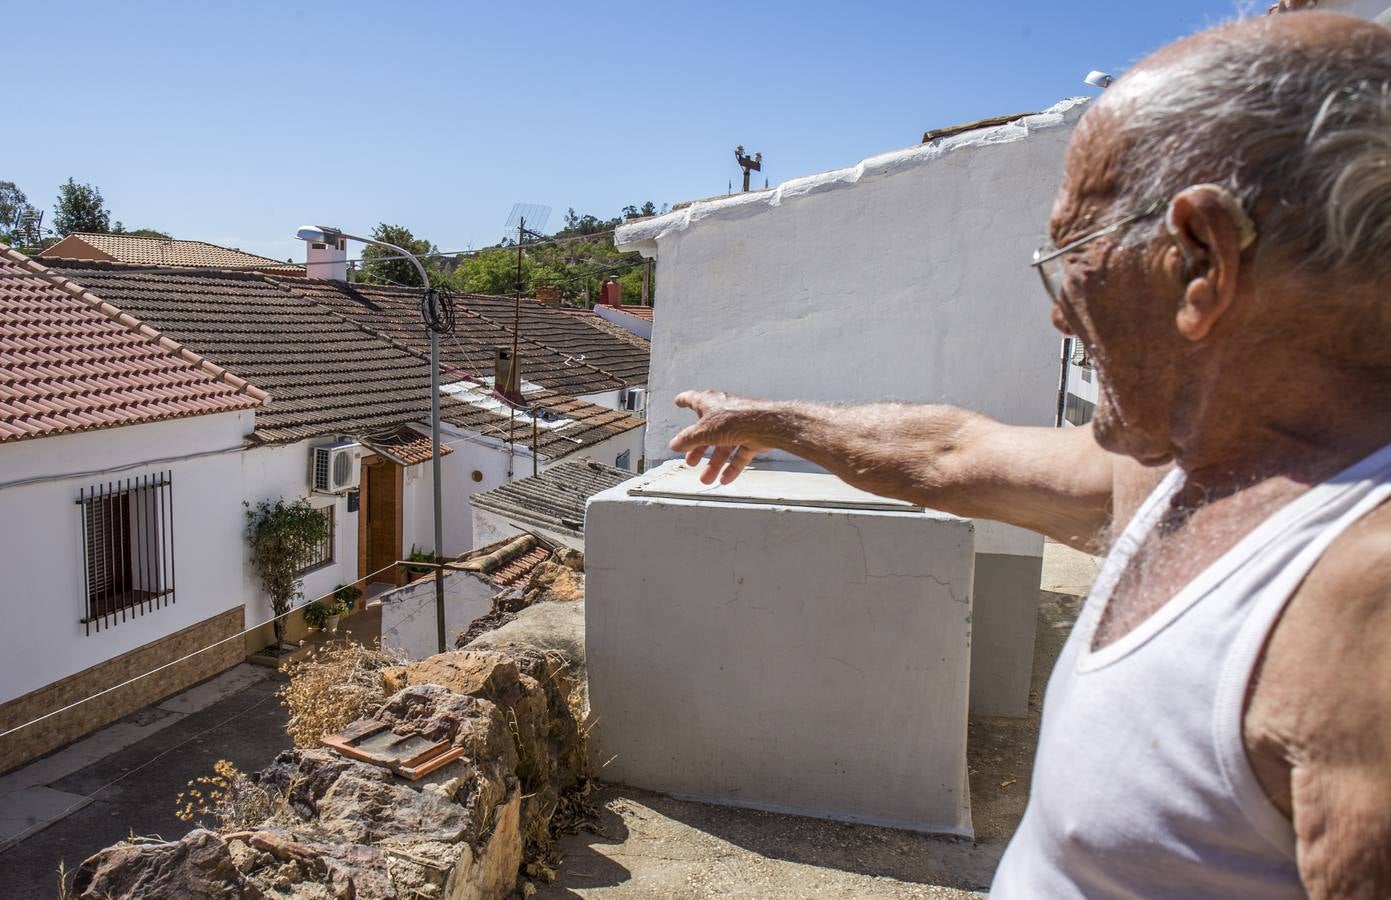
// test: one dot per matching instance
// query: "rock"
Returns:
(570, 558)
(199, 866)
(552, 581)
(492, 873)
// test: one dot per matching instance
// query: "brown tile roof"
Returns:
(558, 351)
(174, 252)
(328, 375)
(555, 499)
(73, 363)
(594, 320)
(405, 446)
(509, 561)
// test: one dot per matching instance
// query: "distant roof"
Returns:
(555, 499)
(174, 252)
(642, 312)
(74, 363)
(329, 375)
(507, 562)
(557, 351)
(594, 320)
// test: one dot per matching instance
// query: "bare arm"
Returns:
(1318, 726)
(1055, 481)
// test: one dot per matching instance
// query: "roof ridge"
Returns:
(126, 320)
(145, 237)
(605, 372)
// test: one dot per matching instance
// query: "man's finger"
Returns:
(737, 464)
(687, 399)
(694, 456)
(690, 438)
(712, 468)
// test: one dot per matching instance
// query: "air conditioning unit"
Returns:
(634, 399)
(334, 468)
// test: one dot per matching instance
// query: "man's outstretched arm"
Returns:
(1055, 481)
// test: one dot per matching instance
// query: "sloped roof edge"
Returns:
(115, 314)
(642, 236)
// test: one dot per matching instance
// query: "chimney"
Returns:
(507, 380)
(328, 261)
(548, 294)
(611, 294)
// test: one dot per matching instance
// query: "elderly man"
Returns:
(1219, 723)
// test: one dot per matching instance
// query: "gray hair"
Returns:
(1301, 135)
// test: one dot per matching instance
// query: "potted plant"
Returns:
(315, 614)
(336, 610)
(414, 572)
(348, 595)
(282, 535)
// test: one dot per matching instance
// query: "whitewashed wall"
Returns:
(1365, 9)
(43, 556)
(489, 527)
(905, 277)
(282, 471)
(636, 324)
(408, 613)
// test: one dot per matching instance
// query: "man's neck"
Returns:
(1334, 422)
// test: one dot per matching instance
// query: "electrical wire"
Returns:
(241, 634)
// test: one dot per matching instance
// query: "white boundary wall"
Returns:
(43, 555)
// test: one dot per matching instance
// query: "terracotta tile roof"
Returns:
(406, 446)
(328, 375)
(73, 363)
(519, 557)
(555, 499)
(642, 312)
(557, 350)
(174, 252)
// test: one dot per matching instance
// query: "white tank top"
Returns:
(1141, 786)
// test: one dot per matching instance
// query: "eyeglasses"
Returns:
(1048, 260)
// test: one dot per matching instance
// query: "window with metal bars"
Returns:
(322, 554)
(128, 548)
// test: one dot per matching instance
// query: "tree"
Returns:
(80, 208)
(494, 272)
(13, 203)
(380, 268)
(118, 228)
(283, 537)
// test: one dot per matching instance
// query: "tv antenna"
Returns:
(527, 220)
(748, 163)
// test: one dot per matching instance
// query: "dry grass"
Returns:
(228, 796)
(336, 684)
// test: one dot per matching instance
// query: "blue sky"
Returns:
(235, 123)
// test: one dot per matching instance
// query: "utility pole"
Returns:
(748, 164)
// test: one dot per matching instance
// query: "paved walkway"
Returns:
(124, 778)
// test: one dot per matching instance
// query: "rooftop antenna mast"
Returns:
(527, 219)
(748, 164)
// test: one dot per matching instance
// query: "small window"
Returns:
(322, 555)
(128, 548)
(624, 460)
(1078, 411)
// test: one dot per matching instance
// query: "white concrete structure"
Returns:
(810, 659)
(615, 314)
(44, 555)
(1379, 10)
(905, 277)
(408, 613)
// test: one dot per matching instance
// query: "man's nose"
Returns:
(1060, 321)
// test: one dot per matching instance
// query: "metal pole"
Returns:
(435, 471)
(1062, 381)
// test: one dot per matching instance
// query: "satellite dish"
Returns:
(1098, 79)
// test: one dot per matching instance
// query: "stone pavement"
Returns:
(124, 778)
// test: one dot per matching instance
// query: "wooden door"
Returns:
(380, 532)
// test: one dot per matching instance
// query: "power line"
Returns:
(241, 634)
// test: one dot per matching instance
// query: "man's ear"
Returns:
(1210, 230)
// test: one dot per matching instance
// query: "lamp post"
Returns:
(323, 234)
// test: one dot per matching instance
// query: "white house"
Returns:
(903, 277)
(120, 489)
(550, 505)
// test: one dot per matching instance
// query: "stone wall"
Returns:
(55, 731)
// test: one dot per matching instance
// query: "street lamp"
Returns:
(430, 313)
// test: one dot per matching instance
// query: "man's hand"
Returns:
(738, 429)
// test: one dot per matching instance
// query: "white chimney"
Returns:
(328, 260)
